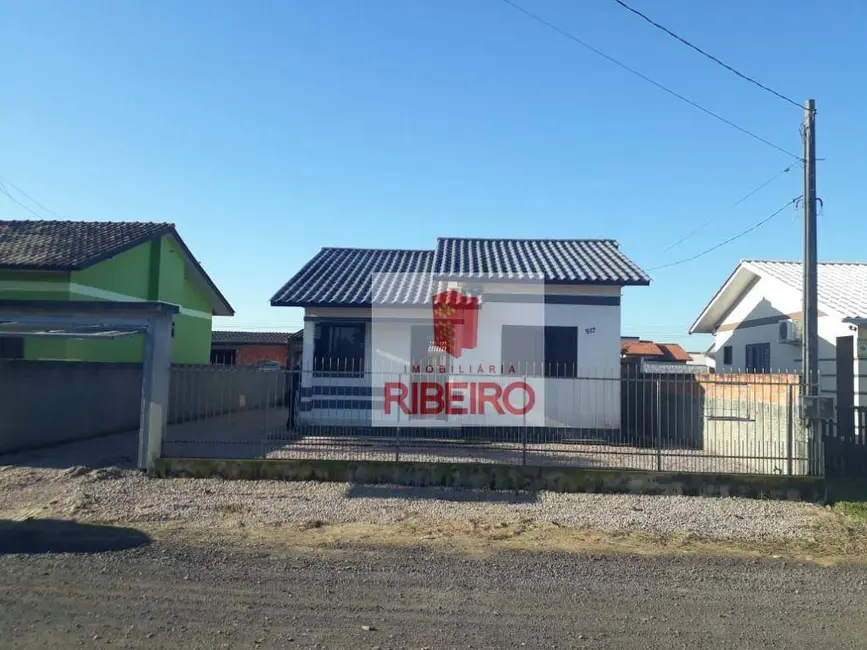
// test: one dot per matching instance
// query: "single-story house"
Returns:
(255, 348)
(115, 261)
(756, 319)
(638, 354)
(514, 317)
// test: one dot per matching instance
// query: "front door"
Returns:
(426, 356)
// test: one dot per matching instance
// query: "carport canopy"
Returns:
(100, 319)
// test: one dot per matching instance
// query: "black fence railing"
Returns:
(845, 446)
(680, 422)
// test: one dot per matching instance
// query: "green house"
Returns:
(118, 261)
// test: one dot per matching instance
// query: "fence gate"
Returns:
(845, 439)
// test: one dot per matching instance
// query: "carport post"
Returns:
(155, 390)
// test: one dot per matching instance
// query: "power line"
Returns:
(727, 241)
(709, 56)
(641, 75)
(5, 191)
(731, 207)
(5, 181)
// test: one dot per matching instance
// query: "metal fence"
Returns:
(617, 420)
(845, 445)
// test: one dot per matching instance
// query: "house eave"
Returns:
(739, 281)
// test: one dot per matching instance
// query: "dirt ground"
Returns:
(171, 594)
(98, 556)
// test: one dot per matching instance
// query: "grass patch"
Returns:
(856, 511)
(834, 540)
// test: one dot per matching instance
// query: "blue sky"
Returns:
(267, 130)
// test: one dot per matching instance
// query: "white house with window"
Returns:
(545, 315)
(756, 319)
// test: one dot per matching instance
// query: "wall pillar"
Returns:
(156, 373)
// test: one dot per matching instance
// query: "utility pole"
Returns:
(810, 354)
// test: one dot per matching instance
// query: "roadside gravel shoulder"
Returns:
(115, 495)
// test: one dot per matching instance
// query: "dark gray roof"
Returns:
(261, 338)
(554, 261)
(75, 245)
(348, 277)
(70, 245)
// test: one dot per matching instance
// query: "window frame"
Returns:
(359, 361)
(755, 369)
(728, 355)
(230, 353)
(551, 369)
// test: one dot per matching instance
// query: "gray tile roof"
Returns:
(556, 261)
(70, 245)
(75, 245)
(347, 277)
(226, 337)
(842, 285)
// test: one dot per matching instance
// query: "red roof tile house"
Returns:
(648, 356)
(255, 348)
(465, 316)
(635, 348)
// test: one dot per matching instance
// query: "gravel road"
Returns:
(121, 495)
(169, 596)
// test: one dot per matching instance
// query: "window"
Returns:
(758, 357)
(11, 347)
(727, 355)
(548, 351)
(339, 347)
(223, 357)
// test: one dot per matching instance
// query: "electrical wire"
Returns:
(755, 226)
(5, 181)
(709, 56)
(731, 207)
(643, 76)
(9, 196)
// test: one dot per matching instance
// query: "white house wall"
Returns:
(767, 299)
(592, 401)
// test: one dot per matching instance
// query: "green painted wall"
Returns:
(127, 274)
(34, 285)
(192, 342)
(152, 271)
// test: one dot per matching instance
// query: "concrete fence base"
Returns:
(500, 477)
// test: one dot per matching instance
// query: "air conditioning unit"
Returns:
(790, 331)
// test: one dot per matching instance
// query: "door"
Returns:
(426, 356)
